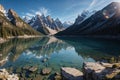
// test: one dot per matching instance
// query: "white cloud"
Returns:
(23, 16)
(44, 11)
(40, 11)
(92, 4)
(29, 14)
(116, 0)
(98, 4)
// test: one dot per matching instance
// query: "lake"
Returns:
(54, 53)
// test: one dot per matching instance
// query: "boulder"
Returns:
(98, 71)
(46, 71)
(69, 73)
(26, 67)
(33, 69)
(4, 75)
(30, 68)
(106, 64)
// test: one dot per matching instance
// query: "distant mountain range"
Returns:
(46, 25)
(102, 22)
(12, 25)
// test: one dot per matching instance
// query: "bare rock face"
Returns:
(101, 71)
(13, 13)
(15, 19)
(4, 75)
(71, 74)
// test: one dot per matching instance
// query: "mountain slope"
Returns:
(103, 22)
(13, 25)
(45, 25)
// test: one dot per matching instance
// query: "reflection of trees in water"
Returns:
(94, 48)
(15, 47)
(38, 46)
(47, 46)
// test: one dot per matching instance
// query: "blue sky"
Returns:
(65, 10)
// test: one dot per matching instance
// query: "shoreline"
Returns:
(90, 71)
(2, 40)
(93, 36)
(25, 36)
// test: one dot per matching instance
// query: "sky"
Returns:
(65, 10)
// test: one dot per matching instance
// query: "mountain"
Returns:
(81, 17)
(45, 24)
(103, 22)
(12, 25)
(26, 19)
(67, 24)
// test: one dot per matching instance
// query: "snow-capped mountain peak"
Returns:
(67, 24)
(26, 19)
(2, 9)
(84, 15)
(46, 24)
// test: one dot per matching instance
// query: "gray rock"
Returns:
(71, 74)
(4, 75)
(46, 71)
(106, 64)
(33, 69)
(97, 71)
(26, 67)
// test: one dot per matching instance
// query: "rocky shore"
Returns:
(4, 75)
(90, 71)
(101, 71)
(93, 71)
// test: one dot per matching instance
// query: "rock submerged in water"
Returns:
(31, 68)
(98, 71)
(4, 75)
(71, 74)
(46, 71)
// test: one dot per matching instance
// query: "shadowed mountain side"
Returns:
(104, 22)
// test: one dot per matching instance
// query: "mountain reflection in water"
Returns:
(65, 51)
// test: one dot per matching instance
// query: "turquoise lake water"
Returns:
(59, 52)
